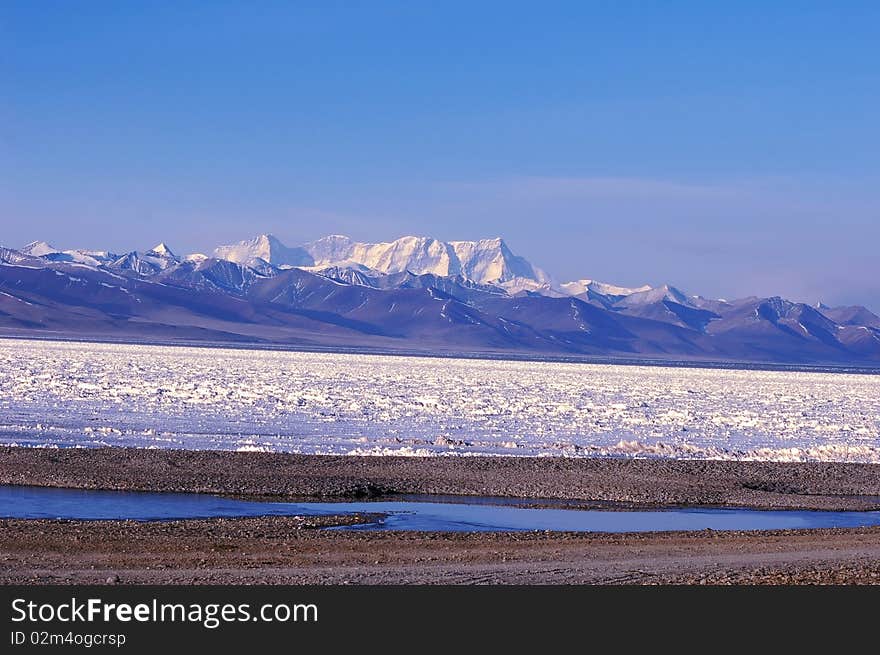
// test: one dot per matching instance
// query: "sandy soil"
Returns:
(293, 550)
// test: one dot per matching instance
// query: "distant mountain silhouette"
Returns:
(415, 294)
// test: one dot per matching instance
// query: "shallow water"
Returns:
(479, 515)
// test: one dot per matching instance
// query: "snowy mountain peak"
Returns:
(330, 250)
(49, 252)
(133, 262)
(38, 249)
(269, 241)
(267, 249)
(156, 259)
(161, 250)
(483, 261)
(587, 287)
(491, 260)
(665, 293)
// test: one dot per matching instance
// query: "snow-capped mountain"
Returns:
(163, 251)
(649, 295)
(38, 249)
(413, 294)
(158, 258)
(578, 287)
(487, 261)
(87, 257)
(266, 249)
(19, 258)
(601, 292)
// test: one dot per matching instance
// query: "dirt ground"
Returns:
(295, 550)
(291, 551)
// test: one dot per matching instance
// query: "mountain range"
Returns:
(414, 294)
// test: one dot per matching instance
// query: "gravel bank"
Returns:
(766, 485)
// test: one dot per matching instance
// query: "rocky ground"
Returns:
(657, 482)
(294, 550)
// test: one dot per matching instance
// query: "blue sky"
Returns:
(727, 148)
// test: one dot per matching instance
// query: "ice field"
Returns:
(83, 394)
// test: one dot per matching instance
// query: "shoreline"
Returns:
(294, 550)
(637, 483)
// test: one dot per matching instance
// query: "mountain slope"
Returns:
(853, 315)
(157, 295)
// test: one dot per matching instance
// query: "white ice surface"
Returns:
(77, 394)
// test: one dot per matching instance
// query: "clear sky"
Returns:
(727, 148)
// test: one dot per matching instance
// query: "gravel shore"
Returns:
(293, 550)
(764, 485)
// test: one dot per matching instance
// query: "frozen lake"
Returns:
(83, 394)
